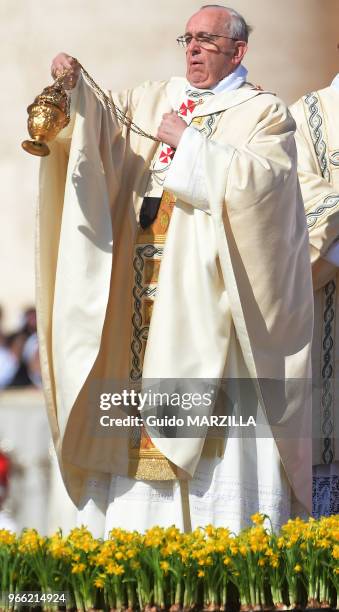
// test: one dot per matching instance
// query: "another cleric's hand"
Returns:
(63, 62)
(171, 129)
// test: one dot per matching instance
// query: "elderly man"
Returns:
(317, 139)
(210, 220)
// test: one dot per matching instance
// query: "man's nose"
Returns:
(193, 45)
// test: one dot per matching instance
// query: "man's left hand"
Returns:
(171, 129)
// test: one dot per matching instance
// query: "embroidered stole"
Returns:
(317, 128)
(146, 462)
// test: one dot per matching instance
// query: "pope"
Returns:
(182, 258)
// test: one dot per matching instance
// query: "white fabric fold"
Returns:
(335, 82)
(186, 177)
(232, 81)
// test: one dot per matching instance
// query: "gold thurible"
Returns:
(48, 114)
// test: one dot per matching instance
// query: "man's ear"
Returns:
(240, 48)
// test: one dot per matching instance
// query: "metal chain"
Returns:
(107, 102)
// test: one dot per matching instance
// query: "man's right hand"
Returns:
(63, 62)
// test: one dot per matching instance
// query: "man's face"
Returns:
(209, 64)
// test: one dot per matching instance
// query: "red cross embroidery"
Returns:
(166, 155)
(190, 106)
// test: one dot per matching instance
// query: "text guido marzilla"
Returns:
(174, 421)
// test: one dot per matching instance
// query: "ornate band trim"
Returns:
(140, 329)
(315, 122)
(331, 201)
(334, 158)
(327, 371)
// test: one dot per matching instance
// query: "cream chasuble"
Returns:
(234, 281)
(317, 138)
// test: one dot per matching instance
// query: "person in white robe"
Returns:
(317, 137)
(180, 259)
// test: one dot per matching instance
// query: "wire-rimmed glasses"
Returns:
(205, 39)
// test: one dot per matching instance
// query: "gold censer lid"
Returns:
(47, 116)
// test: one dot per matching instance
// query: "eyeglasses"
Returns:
(204, 39)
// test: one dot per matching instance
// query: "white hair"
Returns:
(237, 27)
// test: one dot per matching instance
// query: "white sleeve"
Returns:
(185, 177)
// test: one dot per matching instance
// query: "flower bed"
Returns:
(210, 568)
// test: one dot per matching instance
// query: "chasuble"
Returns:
(317, 139)
(232, 291)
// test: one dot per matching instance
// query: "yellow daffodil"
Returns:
(7, 538)
(335, 551)
(257, 518)
(165, 566)
(78, 568)
(99, 581)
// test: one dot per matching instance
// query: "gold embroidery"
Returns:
(151, 271)
(146, 462)
(151, 238)
(147, 311)
(164, 220)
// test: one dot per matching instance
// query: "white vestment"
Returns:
(234, 281)
(317, 139)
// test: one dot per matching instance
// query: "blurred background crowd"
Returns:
(19, 352)
(22, 455)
